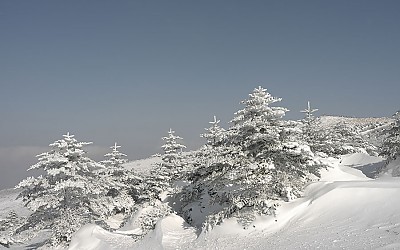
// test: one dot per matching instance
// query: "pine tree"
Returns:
(69, 194)
(124, 186)
(214, 134)
(171, 169)
(173, 165)
(309, 121)
(115, 158)
(160, 184)
(209, 153)
(262, 161)
(172, 150)
(309, 118)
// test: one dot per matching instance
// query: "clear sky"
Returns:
(127, 71)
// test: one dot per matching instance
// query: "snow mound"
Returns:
(343, 211)
(368, 165)
(172, 232)
(93, 237)
(338, 172)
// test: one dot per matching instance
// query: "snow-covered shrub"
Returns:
(154, 212)
(8, 227)
(391, 147)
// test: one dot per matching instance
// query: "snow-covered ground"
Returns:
(344, 210)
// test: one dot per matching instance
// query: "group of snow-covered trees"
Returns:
(391, 147)
(249, 167)
(243, 171)
(74, 190)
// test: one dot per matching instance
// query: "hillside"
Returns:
(362, 123)
(345, 210)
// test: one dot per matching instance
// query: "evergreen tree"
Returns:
(172, 166)
(163, 176)
(209, 153)
(115, 159)
(309, 122)
(214, 134)
(172, 150)
(124, 186)
(69, 194)
(262, 161)
(309, 118)
(160, 184)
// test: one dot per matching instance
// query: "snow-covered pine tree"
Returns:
(210, 152)
(160, 184)
(115, 158)
(124, 185)
(214, 134)
(319, 139)
(261, 163)
(161, 181)
(69, 194)
(172, 150)
(172, 166)
(391, 145)
(309, 118)
(309, 123)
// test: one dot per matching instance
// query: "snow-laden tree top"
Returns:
(257, 107)
(64, 150)
(171, 145)
(309, 112)
(115, 158)
(214, 133)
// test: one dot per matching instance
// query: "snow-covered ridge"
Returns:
(143, 165)
(330, 121)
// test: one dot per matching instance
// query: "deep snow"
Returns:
(344, 210)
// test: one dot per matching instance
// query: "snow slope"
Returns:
(345, 210)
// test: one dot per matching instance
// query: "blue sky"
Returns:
(127, 71)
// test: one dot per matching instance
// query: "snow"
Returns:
(344, 210)
(172, 232)
(144, 165)
(8, 202)
(94, 237)
(367, 164)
